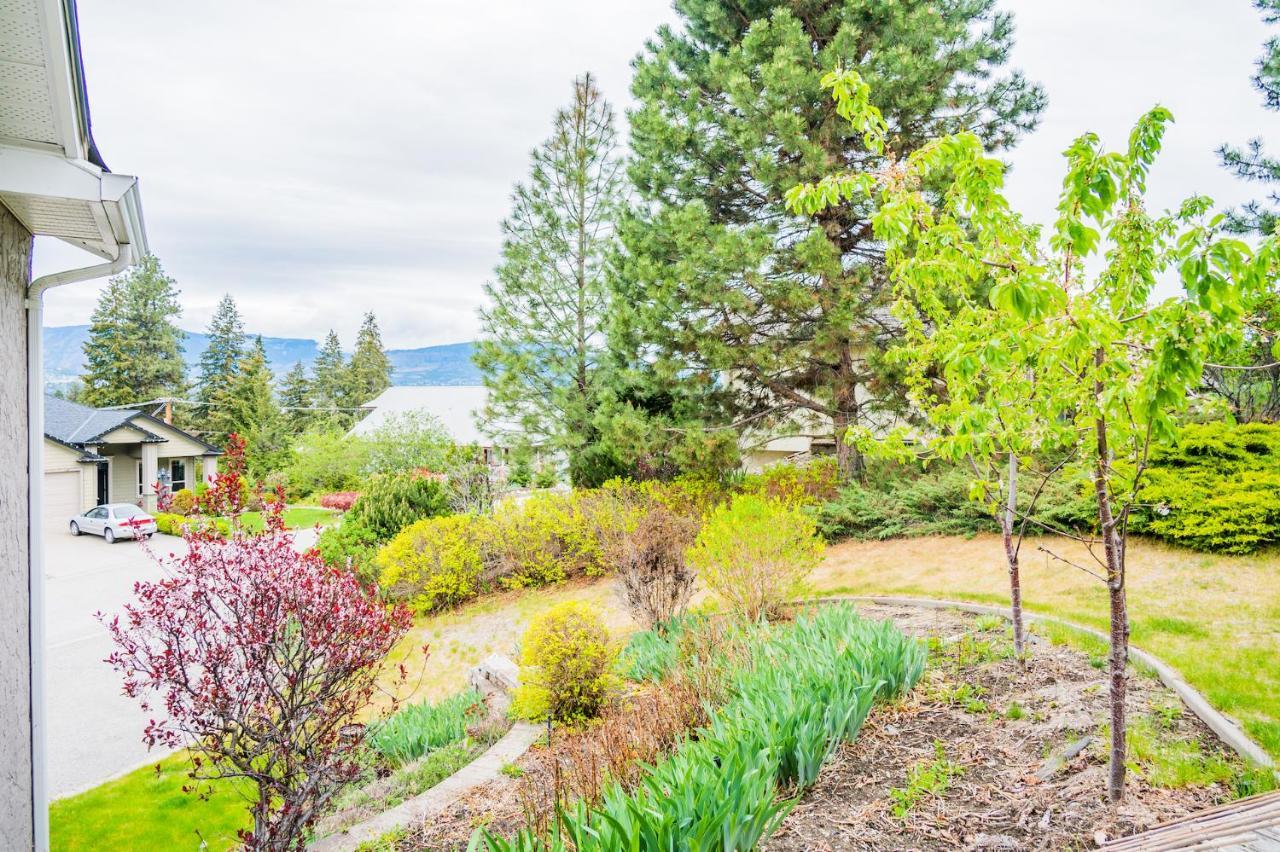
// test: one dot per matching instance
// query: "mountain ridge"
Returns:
(444, 364)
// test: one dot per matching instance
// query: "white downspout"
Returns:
(35, 528)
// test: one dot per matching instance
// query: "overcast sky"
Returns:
(319, 159)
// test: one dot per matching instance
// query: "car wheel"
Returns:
(75, 528)
(109, 536)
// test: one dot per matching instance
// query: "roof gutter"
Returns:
(35, 526)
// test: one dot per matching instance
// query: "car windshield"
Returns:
(130, 512)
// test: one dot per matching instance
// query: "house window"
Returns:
(177, 475)
(139, 479)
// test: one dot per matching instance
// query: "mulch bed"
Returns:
(996, 802)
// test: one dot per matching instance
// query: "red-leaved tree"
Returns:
(227, 493)
(260, 659)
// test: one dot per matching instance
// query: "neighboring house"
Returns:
(54, 184)
(800, 435)
(94, 456)
(455, 406)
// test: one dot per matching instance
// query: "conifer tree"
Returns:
(134, 350)
(252, 412)
(370, 368)
(1251, 162)
(219, 366)
(720, 283)
(543, 339)
(330, 384)
(295, 398)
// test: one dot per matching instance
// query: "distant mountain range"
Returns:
(430, 365)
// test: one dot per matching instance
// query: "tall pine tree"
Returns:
(330, 383)
(370, 368)
(720, 285)
(252, 412)
(295, 398)
(1250, 161)
(219, 366)
(543, 337)
(134, 350)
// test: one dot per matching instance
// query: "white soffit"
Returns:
(46, 178)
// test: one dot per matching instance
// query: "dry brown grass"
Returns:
(461, 638)
(1215, 618)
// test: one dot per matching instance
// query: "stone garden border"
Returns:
(429, 803)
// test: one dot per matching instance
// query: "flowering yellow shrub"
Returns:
(544, 539)
(566, 661)
(813, 482)
(435, 562)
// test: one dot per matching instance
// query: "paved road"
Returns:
(94, 732)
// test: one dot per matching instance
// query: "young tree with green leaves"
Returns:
(543, 340)
(370, 368)
(1251, 161)
(1114, 365)
(719, 278)
(134, 350)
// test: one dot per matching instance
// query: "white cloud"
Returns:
(319, 159)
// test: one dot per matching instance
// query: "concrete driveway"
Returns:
(94, 732)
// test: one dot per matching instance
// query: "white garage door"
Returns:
(61, 499)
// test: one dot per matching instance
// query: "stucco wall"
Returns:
(15, 593)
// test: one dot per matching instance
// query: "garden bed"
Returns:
(999, 726)
(410, 753)
(954, 765)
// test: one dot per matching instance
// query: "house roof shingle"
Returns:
(75, 425)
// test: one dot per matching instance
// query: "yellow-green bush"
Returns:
(435, 562)
(169, 523)
(183, 502)
(687, 495)
(566, 662)
(811, 483)
(1217, 488)
(546, 538)
(755, 553)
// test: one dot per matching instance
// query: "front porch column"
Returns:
(18, 534)
(209, 469)
(150, 471)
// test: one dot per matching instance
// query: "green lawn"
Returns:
(148, 810)
(295, 518)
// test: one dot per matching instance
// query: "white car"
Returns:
(113, 521)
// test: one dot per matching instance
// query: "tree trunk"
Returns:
(844, 401)
(1007, 522)
(850, 464)
(1119, 615)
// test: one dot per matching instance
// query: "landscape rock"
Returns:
(496, 678)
